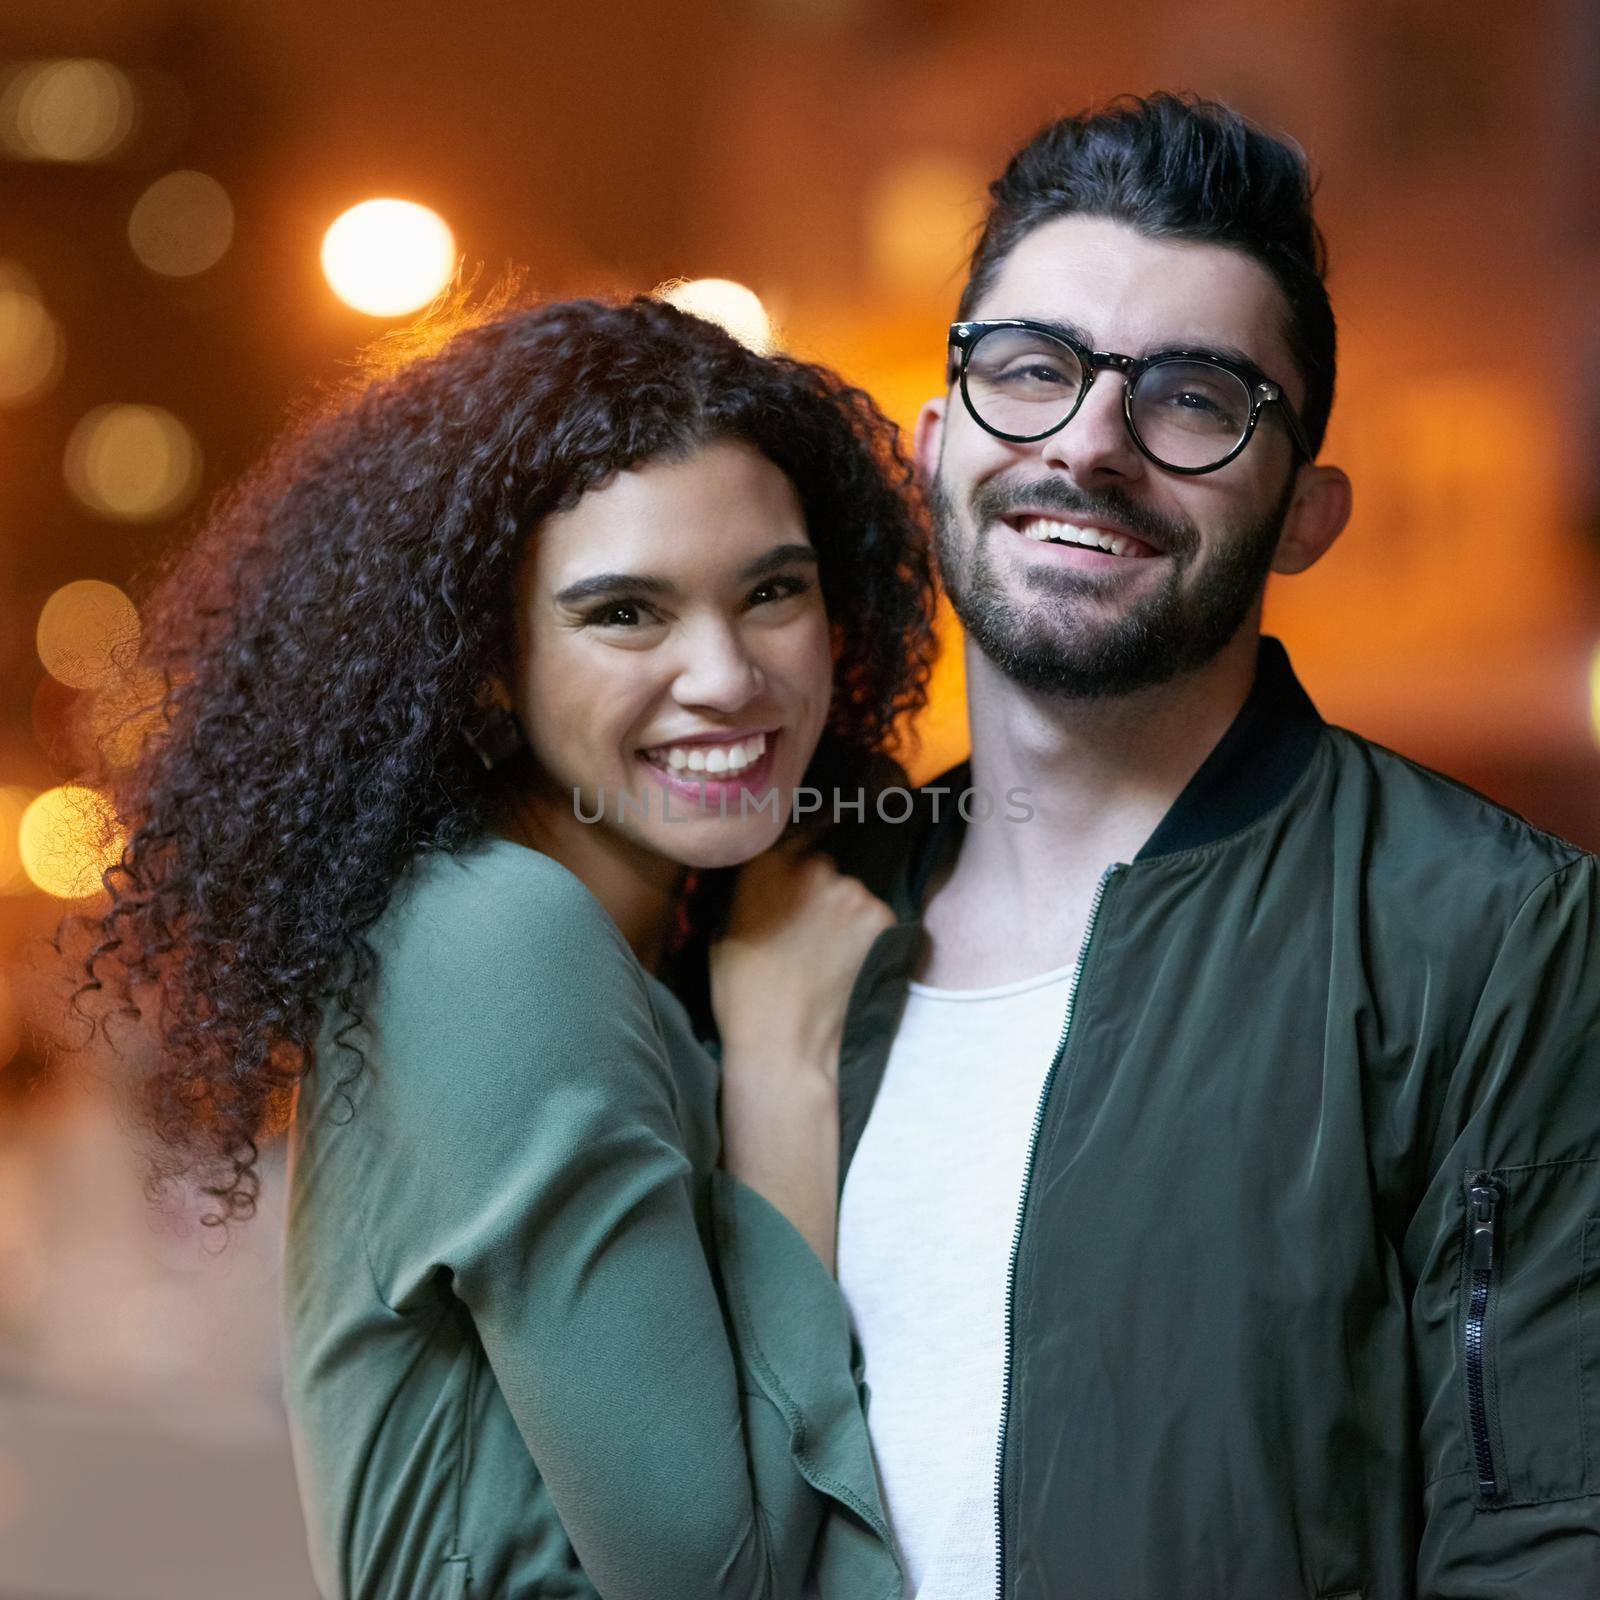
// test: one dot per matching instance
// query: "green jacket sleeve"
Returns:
(529, 1148)
(1504, 1256)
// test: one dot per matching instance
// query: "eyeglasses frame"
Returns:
(965, 336)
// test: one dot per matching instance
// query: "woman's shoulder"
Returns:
(496, 910)
(496, 969)
(495, 868)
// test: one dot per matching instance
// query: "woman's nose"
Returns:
(717, 670)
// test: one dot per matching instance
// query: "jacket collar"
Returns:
(1252, 767)
(1250, 770)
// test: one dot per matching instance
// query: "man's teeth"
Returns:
(1048, 531)
(716, 758)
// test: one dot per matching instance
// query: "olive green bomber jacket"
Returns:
(1305, 1300)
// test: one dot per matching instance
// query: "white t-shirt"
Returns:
(925, 1231)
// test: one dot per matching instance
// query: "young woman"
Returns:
(473, 681)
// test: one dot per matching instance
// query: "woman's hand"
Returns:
(781, 977)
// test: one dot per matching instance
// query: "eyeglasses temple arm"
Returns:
(1291, 417)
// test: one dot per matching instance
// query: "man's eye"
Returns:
(1207, 408)
(1038, 373)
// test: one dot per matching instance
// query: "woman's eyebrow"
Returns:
(600, 584)
(780, 556)
(604, 583)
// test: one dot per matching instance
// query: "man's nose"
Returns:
(1096, 445)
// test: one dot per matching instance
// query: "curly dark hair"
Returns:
(325, 637)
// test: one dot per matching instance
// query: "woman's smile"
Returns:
(711, 769)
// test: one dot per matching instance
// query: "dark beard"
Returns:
(1053, 647)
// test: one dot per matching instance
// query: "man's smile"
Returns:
(1044, 528)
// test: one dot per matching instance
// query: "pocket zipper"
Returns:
(1484, 1200)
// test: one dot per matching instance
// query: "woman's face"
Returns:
(673, 658)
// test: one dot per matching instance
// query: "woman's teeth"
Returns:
(1050, 531)
(722, 759)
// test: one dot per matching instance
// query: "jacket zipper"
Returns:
(1016, 1236)
(1484, 1200)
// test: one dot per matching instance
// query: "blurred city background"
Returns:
(186, 248)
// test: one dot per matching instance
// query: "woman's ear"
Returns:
(1317, 516)
(491, 728)
(493, 692)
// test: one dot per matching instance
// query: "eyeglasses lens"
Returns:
(1186, 414)
(1022, 383)
(1190, 413)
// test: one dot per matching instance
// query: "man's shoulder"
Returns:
(1427, 842)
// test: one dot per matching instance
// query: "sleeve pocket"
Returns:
(1528, 1331)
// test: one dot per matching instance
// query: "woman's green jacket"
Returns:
(536, 1343)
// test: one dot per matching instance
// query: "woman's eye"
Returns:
(616, 614)
(777, 589)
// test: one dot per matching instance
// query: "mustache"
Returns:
(995, 500)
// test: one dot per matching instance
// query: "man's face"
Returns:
(1194, 551)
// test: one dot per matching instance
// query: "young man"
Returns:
(1221, 1217)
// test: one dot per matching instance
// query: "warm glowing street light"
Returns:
(728, 304)
(181, 224)
(65, 110)
(67, 839)
(1594, 693)
(132, 463)
(125, 714)
(388, 257)
(86, 630)
(14, 801)
(30, 346)
(30, 338)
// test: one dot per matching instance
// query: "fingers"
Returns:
(804, 893)
(796, 938)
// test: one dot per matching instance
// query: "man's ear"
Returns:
(927, 437)
(1317, 516)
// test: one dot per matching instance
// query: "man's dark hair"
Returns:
(1176, 167)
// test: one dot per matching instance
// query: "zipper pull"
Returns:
(1484, 1198)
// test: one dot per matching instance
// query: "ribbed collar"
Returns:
(1252, 767)
(1250, 770)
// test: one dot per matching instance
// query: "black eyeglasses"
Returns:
(1189, 411)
